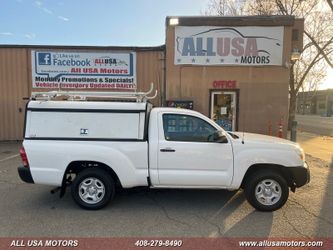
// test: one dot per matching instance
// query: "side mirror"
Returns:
(219, 137)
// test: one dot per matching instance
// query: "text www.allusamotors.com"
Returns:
(280, 243)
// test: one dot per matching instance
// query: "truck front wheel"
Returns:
(93, 188)
(266, 190)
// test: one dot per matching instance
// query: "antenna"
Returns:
(243, 121)
(243, 137)
(243, 134)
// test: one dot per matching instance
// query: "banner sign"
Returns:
(81, 70)
(180, 104)
(241, 46)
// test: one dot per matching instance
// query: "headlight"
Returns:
(300, 153)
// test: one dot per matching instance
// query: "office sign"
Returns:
(83, 70)
(241, 46)
(224, 84)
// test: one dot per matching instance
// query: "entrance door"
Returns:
(223, 109)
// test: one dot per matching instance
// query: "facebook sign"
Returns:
(81, 70)
(44, 58)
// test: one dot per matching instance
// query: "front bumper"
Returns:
(299, 176)
(25, 174)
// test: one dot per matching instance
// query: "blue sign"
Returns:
(44, 58)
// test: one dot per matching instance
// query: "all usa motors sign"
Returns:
(80, 70)
(242, 46)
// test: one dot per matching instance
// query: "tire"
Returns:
(266, 190)
(93, 188)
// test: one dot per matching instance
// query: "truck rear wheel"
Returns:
(93, 188)
(266, 190)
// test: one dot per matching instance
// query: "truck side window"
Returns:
(187, 128)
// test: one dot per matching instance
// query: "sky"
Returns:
(88, 22)
(98, 22)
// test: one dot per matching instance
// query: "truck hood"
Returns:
(265, 139)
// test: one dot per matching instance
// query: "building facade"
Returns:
(318, 102)
(241, 81)
(235, 70)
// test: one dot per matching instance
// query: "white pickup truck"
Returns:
(95, 146)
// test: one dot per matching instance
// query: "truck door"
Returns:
(188, 156)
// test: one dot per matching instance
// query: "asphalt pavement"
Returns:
(30, 210)
(315, 124)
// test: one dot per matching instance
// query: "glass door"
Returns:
(223, 109)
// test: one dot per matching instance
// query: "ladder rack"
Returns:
(82, 95)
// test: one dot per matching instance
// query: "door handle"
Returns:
(167, 150)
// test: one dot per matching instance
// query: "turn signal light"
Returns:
(24, 157)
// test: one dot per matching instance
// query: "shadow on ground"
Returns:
(325, 219)
(156, 212)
